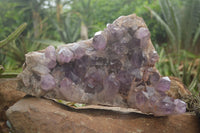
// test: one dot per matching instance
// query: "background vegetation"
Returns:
(174, 27)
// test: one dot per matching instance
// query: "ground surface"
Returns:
(33, 115)
(41, 115)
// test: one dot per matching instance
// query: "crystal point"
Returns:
(64, 55)
(180, 106)
(99, 42)
(163, 84)
(47, 82)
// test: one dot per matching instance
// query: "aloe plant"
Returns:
(182, 23)
(84, 9)
(69, 29)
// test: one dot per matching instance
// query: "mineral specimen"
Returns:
(116, 68)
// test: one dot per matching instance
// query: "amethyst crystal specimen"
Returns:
(115, 67)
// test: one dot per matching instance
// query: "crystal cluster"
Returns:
(116, 67)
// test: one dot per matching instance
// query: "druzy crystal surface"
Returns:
(116, 67)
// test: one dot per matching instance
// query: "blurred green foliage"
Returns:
(181, 20)
(68, 28)
(13, 35)
(185, 66)
(65, 21)
(7, 41)
(9, 19)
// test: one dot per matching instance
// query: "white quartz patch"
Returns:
(154, 52)
(61, 50)
(98, 33)
(166, 78)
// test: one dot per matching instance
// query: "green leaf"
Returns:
(173, 68)
(9, 74)
(189, 54)
(196, 36)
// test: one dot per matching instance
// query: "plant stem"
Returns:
(13, 35)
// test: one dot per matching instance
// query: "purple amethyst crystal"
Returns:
(164, 106)
(151, 91)
(64, 55)
(153, 57)
(180, 106)
(50, 54)
(111, 84)
(94, 80)
(137, 59)
(143, 35)
(66, 88)
(115, 33)
(154, 78)
(124, 77)
(116, 68)
(77, 50)
(115, 65)
(163, 84)
(81, 66)
(120, 49)
(47, 82)
(141, 99)
(99, 41)
(74, 77)
(66, 83)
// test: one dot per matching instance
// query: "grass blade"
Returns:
(162, 22)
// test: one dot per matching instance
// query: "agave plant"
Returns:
(181, 20)
(85, 10)
(69, 29)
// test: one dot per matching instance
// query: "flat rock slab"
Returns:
(8, 95)
(33, 115)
